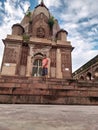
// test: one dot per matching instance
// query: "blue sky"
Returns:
(78, 17)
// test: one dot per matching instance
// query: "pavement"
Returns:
(48, 117)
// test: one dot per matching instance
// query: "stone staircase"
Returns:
(52, 91)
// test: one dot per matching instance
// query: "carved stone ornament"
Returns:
(10, 55)
(40, 32)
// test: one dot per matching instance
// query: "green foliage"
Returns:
(28, 12)
(26, 37)
(51, 22)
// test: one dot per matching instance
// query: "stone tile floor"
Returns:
(48, 117)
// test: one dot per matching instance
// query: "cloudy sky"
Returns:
(78, 17)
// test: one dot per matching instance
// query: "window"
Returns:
(37, 67)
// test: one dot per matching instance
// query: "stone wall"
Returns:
(52, 91)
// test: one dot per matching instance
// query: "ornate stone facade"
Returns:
(21, 72)
(10, 55)
(37, 34)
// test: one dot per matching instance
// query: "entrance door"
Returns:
(37, 67)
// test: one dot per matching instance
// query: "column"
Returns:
(58, 64)
(29, 63)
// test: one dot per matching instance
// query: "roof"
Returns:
(62, 30)
(88, 64)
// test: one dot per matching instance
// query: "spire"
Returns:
(42, 2)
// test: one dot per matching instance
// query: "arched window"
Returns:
(37, 65)
(88, 76)
(81, 78)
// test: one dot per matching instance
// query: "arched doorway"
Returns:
(37, 65)
(88, 76)
(81, 78)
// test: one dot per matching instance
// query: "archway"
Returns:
(37, 65)
(88, 76)
(81, 78)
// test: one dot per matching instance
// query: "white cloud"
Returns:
(83, 50)
(48, 3)
(1, 8)
(80, 19)
(14, 10)
(79, 58)
(11, 16)
(4, 30)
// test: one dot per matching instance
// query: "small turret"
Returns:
(17, 29)
(62, 35)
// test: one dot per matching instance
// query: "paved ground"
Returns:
(48, 117)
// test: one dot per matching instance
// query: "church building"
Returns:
(37, 34)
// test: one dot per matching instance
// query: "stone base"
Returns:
(52, 91)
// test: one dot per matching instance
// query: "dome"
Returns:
(17, 29)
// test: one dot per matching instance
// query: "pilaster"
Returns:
(58, 65)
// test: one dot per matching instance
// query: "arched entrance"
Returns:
(37, 65)
(88, 76)
(81, 78)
